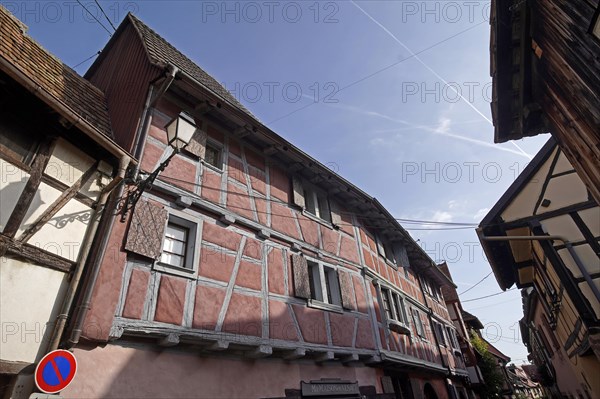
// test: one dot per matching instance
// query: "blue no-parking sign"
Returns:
(55, 371)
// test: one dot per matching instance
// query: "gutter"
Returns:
(90, 130)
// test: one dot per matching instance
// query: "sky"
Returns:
(392, 95)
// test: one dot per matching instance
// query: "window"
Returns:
(418, 323)
(17, 141)
(175, 245)
(178, 254)
(316, 203)
(452, 337)
(385, 297)
(395, 310)
(439, 333)
(400, 309)
(213, 154)
(324, 284)
(386, 250)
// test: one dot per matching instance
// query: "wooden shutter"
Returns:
(346, 290)
(301, 281)
(146, 230)
(298, 192)
(197, 144)
(380, 248)
(402, 256)
(336, 218)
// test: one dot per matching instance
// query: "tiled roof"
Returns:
(161, 53)
(56, 78)
(496, 352)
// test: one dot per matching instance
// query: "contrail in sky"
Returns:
(415, 56)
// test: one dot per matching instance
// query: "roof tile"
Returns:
(63, 83)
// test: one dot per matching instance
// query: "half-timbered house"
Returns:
(544, 64)
(247, 268)
(58, 165)
(544, 235)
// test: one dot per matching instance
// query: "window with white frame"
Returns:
(214, 155)
(316, 202)
(395, 310)
(324, 283)
(175, 245)
(179, 246)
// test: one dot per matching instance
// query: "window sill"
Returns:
(391, 264)
(398, 327)
(313, 303)
(212, 167)
(178, 271)
(317, 219)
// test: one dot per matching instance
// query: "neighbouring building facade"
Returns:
(500, 360)
(58, 165)
(522, 385)
(543, 236)
(248, 269)
(456, 312)
(544, 64)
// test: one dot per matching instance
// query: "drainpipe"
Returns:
(140, 142)
(84, 252)
(567, 244)
(151, 101)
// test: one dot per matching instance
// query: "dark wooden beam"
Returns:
(58, 204)
(34, 254)
(31, 188)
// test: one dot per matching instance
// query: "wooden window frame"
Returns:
(325, 290)
(319, 200)
(220, 159)
(396, 316)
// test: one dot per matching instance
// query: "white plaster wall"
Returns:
(30, 298)
(67, 164)
(64, 233)
(12, 182)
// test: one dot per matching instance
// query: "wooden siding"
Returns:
(125, 84)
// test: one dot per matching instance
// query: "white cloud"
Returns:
(481, 213)
(442, 216)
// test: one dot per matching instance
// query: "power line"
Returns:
(382, 70)
(106, 16)
(487, 296)
(476, 284)
(453, 226)
(93, 16)
(87, 59)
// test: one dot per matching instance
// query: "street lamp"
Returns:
(179, 133)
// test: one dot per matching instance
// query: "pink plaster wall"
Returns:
(130, 372)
